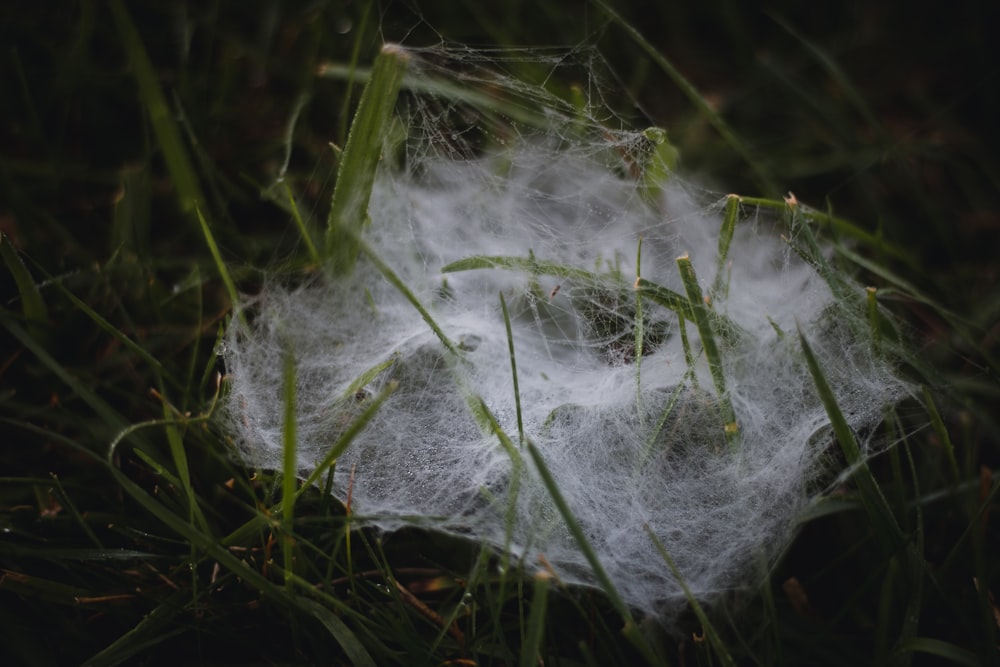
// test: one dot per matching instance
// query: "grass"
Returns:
(132, 170)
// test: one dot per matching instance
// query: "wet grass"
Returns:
(141, 146)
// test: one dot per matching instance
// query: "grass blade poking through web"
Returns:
(631, 630)
(721, 286)
(701, 319)
(874, 502)
(706, 625)
(289, 465)
(639, 334)
(513, 369)
(360, 159)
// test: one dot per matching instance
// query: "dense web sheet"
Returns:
(634, 437)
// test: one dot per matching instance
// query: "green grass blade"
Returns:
(942, 433)
(664, 296)
(398, 283)
(531, 649)
(701, 319)
(213, 247)
(113, 331)
(513, 369)
(875, 504)
(168, 136)
(289, 464)
(348, 641)
(631, 630)
(939, 648)
(363, 151)
(719, 287)
(638, 327)
(524, 264)
(301, 224)
(35, 313)
(154, 628)
(345, 439)
(713, 636)
(107, 414)
(179, 457)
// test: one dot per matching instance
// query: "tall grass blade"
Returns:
(213, 247)
(531, 648)
(513, 369)
(360, 159)
(631, 630)
(36, 316)
(301, 224)
(725, 240)
(701, 319)
(942, 433)
(345, 439)
(939, 648)
(154, 628)
(348, 641)
(289, 464)
(638, 336)
(664, 296)
(107, 414)
(168, 136)
(713, 636)
(398, 283)
(875, 504)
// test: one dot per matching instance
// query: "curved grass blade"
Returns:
(525, 264)
(348, 641)
(32, 305)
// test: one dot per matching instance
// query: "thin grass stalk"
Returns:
(513, 369)
(942, 433)
(340, 446)
(314, 255)
(227, 279)
(289, 465)
(398, 283)
(637, 330)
